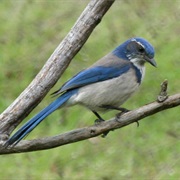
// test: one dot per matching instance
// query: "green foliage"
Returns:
(31, 30)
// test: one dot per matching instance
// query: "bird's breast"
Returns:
(110, 92)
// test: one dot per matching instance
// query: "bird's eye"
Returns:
(141, 49)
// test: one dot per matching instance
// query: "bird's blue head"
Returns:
(136, 50)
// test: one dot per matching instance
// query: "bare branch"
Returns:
(54, 67)
(49, 75)
(92, 131)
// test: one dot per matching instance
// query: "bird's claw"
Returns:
(105, 134)
(124, 110)
(118, 115)
(121, 113)
(98, 121)
(137, 122)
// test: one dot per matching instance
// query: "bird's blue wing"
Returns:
(93, 75)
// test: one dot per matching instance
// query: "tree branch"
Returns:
(92, 131)
(49, 75)
(54, 67)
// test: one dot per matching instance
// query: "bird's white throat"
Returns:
(139, 63)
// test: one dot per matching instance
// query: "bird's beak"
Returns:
(151, 61)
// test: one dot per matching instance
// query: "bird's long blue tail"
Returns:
(32, 123)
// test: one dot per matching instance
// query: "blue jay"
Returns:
(105, 85)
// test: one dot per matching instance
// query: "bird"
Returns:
(104, 86)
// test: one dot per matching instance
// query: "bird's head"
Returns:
(136, 50)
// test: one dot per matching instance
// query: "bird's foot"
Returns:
(137, 122)
(105, 134)
(98, 121)
(123, 111)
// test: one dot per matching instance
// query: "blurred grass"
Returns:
(31, 30)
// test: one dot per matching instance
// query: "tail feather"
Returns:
(32, 123)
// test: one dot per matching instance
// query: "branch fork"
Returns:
(50, 74)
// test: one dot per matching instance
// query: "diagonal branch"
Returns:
(92, 131)
(54, 67)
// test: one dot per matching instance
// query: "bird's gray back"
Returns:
(111, 60)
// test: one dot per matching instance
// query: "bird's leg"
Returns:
(98, 121)
(123, 110)
(115, 108)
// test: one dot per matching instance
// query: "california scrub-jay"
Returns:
(106, 84)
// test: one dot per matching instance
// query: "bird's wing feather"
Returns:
(93, 75)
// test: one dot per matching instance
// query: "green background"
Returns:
(29, 33)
